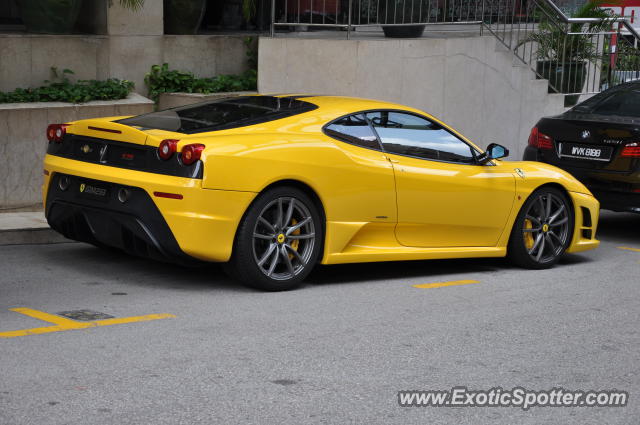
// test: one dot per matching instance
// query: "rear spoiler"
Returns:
(106, 128)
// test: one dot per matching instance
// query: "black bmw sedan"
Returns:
(598, 141)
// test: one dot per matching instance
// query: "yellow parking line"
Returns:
(441, 284)
(122, 320)
(34, 331)
(626, 248)
(64, 324)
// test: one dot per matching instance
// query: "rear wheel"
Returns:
(542, 231)
(278, 241)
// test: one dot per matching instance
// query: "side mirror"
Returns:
(494, 151)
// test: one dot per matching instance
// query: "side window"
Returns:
(353, 129)
(406, 134)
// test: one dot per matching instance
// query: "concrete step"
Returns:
(501, 49)
(24, 228)
(539, 85)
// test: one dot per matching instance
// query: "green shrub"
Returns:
(163, 80)
(251, 52)
(60, 89)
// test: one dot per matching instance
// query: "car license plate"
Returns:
(589, 152)
(91, 190)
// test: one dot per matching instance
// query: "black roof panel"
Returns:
(221, 114)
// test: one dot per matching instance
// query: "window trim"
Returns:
(324, 131)
(473, 149)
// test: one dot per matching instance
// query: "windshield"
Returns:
(221, 114)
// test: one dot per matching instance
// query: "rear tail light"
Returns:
(167, 148)
(540, 140)
(56, 132)
(632, 150)
(191, 153)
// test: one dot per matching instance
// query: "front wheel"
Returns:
(278, 241)
(543, 229)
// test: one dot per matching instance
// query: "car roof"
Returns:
(255, 109)
(331, 107)
(344, 103)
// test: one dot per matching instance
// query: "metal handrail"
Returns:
(569, 20)
(576, 55)
(603, 55)
(350, 25)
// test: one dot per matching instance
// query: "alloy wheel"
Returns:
(546, 227)
(283, 238)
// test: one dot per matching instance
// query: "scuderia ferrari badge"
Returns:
(92, 190)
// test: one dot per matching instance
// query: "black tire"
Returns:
(543, 229)
(271, 233)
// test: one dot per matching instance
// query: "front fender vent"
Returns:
(587, 223)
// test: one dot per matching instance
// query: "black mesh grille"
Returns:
(586, 217)
(135, 226)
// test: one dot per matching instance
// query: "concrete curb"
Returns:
(26, 228)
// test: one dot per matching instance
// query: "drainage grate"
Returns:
(85, 315)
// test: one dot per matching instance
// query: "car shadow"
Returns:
(114, 265)
(423, 269)
(620, 227)
(427, 269)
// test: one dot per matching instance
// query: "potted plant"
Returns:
(183, 16)
(57, 16)
(403, 12)
(564, 51)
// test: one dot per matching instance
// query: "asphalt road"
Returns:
(336, 351)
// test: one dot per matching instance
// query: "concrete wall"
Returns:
(125, 46)
(23, 142)
(26, 59)
(128, 44)
(470, 83)
(173, 100)
(147, 21)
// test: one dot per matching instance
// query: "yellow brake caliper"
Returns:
(528, 236)
(296, 242)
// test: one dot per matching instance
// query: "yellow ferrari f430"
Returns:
(273, 185)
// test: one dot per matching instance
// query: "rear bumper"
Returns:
(135, 226)
(200, 226)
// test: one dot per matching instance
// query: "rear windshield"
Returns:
(625, 103)
(221, 114)
(623, 100)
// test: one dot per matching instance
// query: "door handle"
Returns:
(393, 161)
